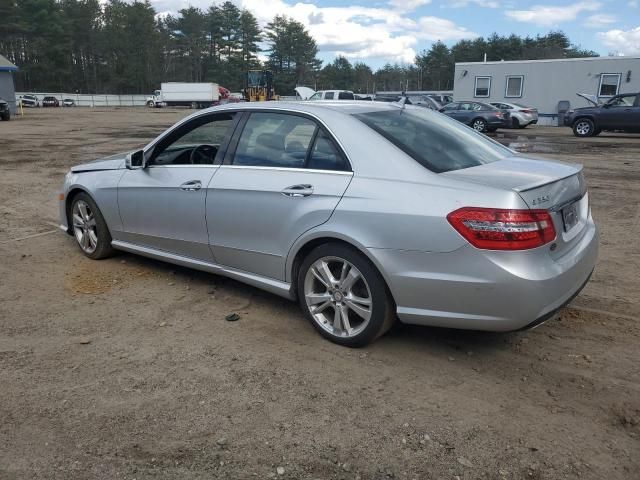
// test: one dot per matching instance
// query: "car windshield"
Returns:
(435, 141)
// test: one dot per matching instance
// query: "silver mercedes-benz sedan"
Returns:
(363, 212)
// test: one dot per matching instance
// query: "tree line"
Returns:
(122, 47)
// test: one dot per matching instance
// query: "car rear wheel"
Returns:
(515, 123)
(6, 116)
(583, 127)
(89, 228)
(151, 104)
(479, 125)
(343, 295)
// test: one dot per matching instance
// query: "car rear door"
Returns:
(282, 176)
(162, 206)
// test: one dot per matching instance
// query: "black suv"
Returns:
(5, 113)
(621, 113)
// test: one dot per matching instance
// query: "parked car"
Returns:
(441, 99)
(425, 101)
(29, 101)
(418, 100)
(50, 102)
(361, 211)
(68, 102)
(480, 116)
(332, 95)
(621, 112)
(520, 116)
(5, 113)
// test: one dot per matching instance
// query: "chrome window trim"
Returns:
(287, 169)
(189, 165)
(237, 109)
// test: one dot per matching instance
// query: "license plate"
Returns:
(570, 216)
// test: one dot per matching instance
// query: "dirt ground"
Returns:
(126, 368)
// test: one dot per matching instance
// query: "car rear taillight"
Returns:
(500, 229)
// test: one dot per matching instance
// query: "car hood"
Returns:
(304, 92)
(592, 99)
(112, 162)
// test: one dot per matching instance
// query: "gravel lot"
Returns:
(126, 368)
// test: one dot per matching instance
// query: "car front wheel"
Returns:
(583, 127)
(343, 295)
(89, 228)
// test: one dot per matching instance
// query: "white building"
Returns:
(542, 84)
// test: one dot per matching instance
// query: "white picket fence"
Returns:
(93, 100)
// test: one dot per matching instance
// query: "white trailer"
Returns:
(194, 95)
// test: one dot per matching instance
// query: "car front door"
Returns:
(619, 113)
(162, 206)
(282, 176)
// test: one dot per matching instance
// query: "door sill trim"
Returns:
(282, 289)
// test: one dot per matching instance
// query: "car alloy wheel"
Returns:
(479, 125)
(85, 227)
(583, 128)
(338, 297)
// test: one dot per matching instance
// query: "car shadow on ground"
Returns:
(414, 337)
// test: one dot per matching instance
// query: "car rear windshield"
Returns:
(435, 141)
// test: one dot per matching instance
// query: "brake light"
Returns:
(500, 229)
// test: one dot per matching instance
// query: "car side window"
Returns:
(623, 101)
(465, 106)
(195, 143)
(274, 140)
(345, 96)
(328, 96)
(451, 106)
(316, 96)
(325, 155)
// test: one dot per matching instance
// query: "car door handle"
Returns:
(303, 190)
(191, 186)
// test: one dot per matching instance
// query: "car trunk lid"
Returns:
(542, 184)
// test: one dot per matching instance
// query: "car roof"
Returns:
(318, 107)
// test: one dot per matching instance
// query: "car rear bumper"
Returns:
(486, 290)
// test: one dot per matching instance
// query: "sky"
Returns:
(382, 31)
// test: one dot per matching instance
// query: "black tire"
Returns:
(584, 127)
(479, 124)
(151, 104)
(6, 117)
(515, 123)
(382, 315)
(103, 248)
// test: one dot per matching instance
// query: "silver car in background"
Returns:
(520, 115)
(363, 212)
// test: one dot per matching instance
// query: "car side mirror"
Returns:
(135, 160)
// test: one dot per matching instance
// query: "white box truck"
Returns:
(194, 95)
